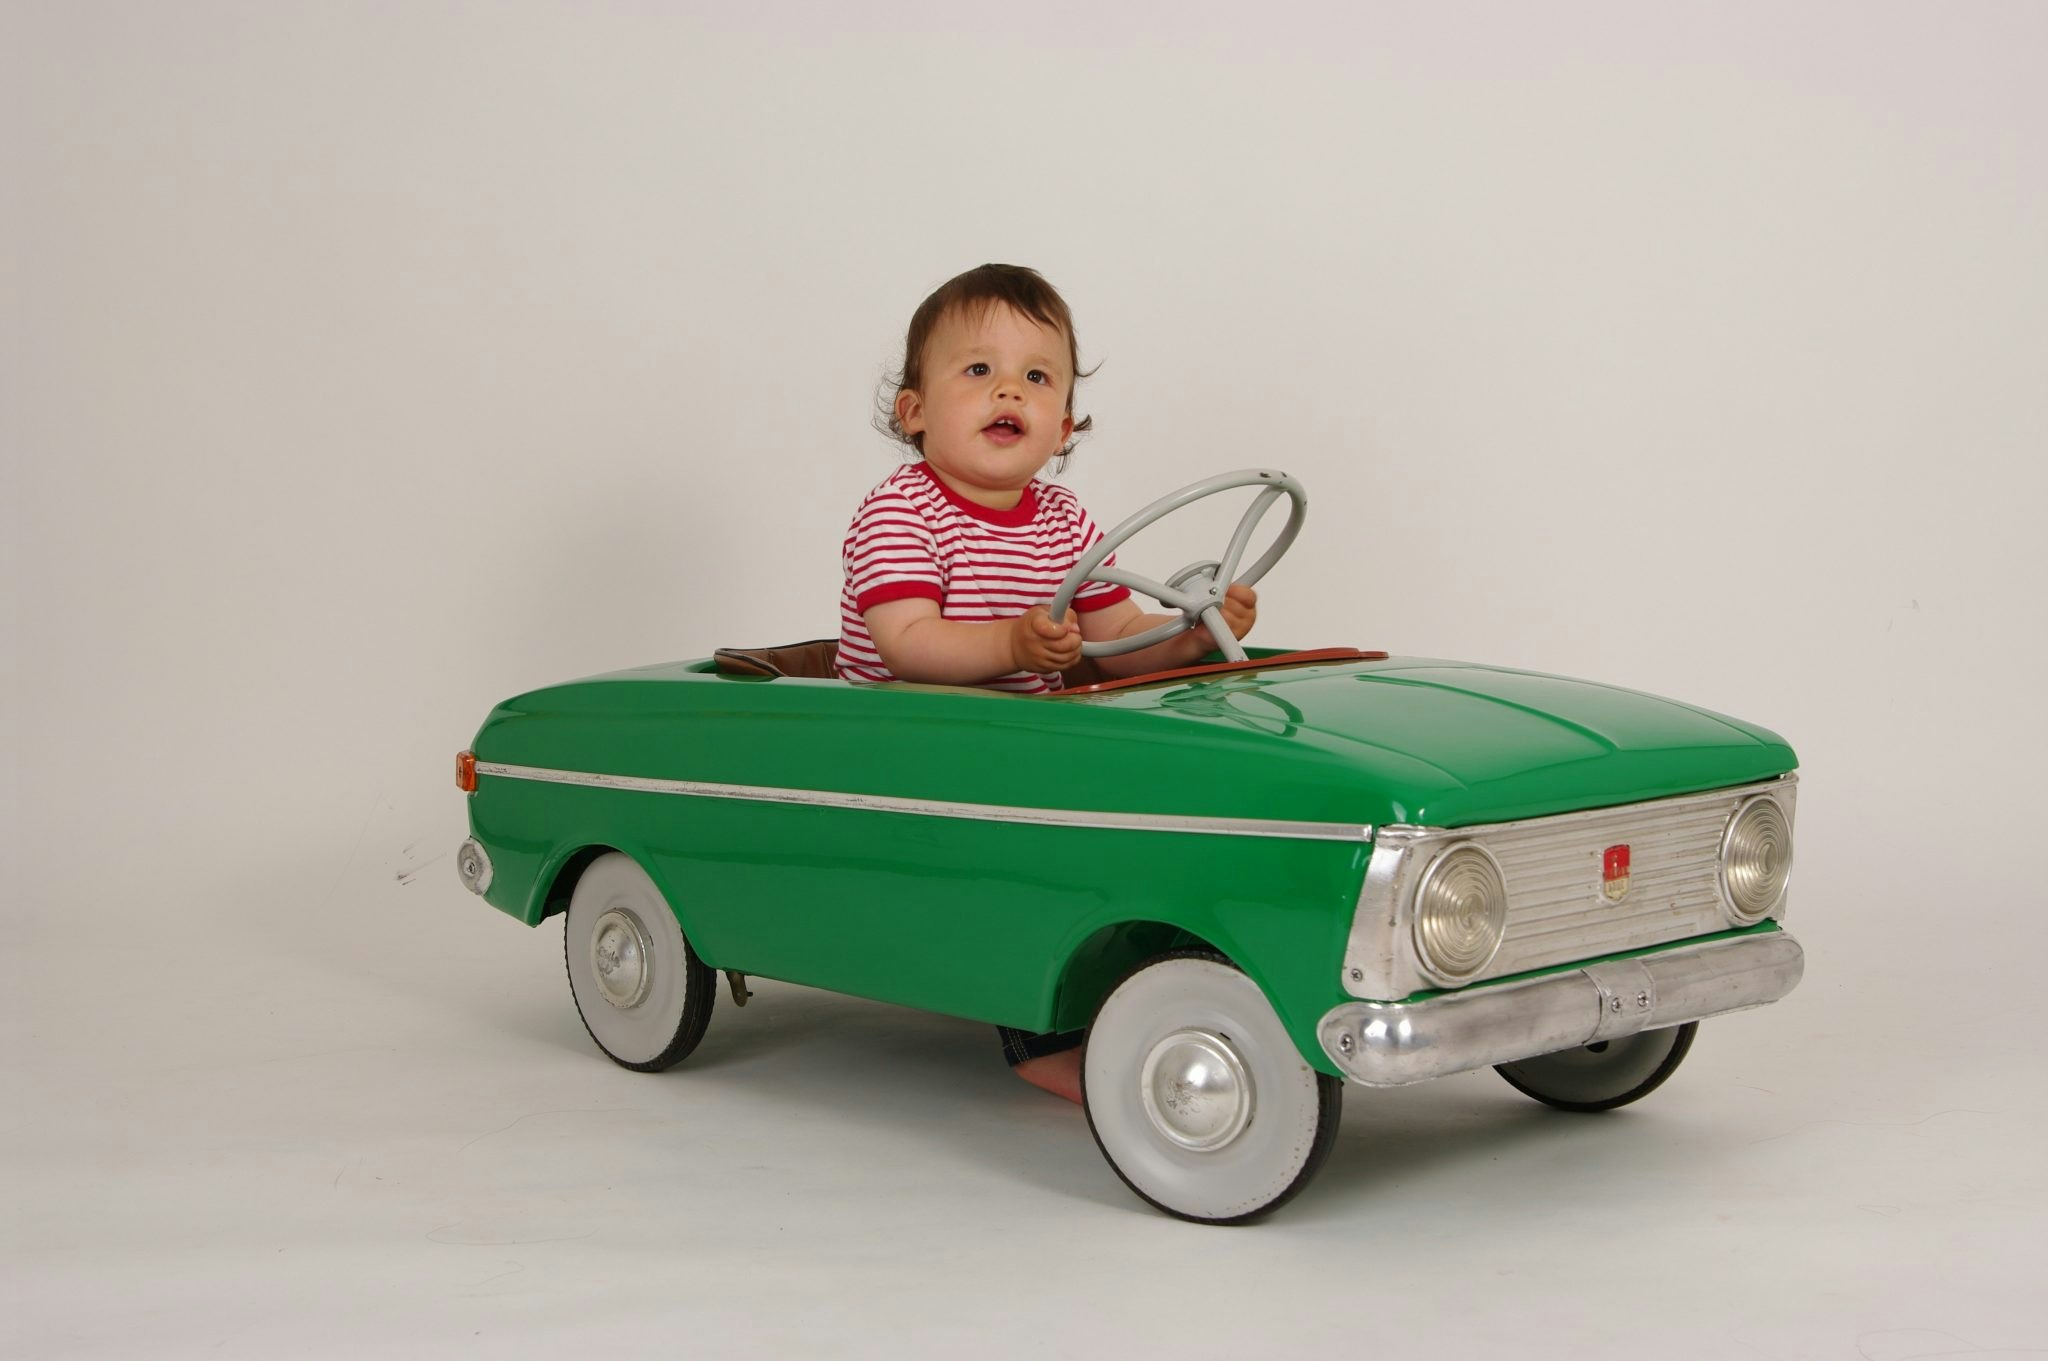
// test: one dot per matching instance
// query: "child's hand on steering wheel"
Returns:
(1038, 644)
(1240, 611)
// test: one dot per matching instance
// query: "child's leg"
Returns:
(1058, 1073)
(1050, 1062)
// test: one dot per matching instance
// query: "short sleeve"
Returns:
(891, 553)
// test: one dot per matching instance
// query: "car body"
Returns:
(1389, 868)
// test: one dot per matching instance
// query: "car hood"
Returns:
(1361, 742)
(1450, 744)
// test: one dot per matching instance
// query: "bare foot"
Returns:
(1058, 1073)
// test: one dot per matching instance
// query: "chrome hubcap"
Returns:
(620, 955)
(1196, 1090)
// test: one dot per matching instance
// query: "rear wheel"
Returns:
(1601, 1076)
(1198, 1097)
(643, 994)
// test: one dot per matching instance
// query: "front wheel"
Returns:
(643, 994)
(1603, 1075)
(1198, 1097)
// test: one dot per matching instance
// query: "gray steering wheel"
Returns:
(1196, 590)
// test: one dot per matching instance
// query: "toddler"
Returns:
(949, 562)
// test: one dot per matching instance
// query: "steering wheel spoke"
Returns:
(1158, 633)
(1171, 596)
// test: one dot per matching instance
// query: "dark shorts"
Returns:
(1019, 1045)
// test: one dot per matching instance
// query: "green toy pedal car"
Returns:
(1250, 881)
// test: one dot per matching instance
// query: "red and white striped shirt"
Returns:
(916, 537)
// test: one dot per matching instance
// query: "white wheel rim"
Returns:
(626, 960)
(1244, 1142)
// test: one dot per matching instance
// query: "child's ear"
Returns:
(910, 412)
(1066, 429)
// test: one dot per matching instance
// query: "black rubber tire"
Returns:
(656, 1047)
(1529, 1078)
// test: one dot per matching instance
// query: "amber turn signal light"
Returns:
(465, 771)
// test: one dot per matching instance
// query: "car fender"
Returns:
(1097, 955)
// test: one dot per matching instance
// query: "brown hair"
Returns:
(1024, 291)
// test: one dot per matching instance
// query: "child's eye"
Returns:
(1039, 376)
(977, 370)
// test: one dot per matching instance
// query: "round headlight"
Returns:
(1756, 860)
(1461, 912)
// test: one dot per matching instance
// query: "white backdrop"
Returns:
(366, 364)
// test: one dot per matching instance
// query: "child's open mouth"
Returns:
(1003, 430)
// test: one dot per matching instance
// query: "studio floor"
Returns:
(379, 1129)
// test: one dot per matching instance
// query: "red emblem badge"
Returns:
(1614, 873)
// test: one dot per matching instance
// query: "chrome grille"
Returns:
(1553, 868)
(1556, 912)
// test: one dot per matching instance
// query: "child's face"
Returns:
(993, 404)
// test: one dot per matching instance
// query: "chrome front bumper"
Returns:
(1391, 1044)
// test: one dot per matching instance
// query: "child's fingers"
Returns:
(1043, 645)
(1240, 608)
(1041, 622)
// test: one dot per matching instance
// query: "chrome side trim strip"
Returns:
(1391, 1044)
(933, 808)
